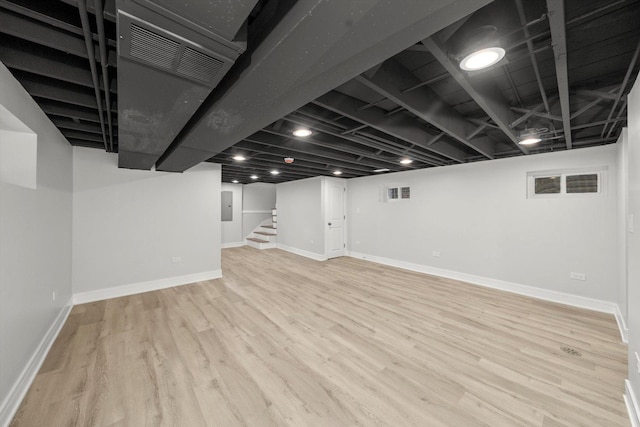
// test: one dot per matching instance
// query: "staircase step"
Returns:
(263, 233)
(268, 226)
(253, 239)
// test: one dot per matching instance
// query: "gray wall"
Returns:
(633, 239)
(478, 217)
(35, 240)
(232, 230)
(129, 224)
(300, 216)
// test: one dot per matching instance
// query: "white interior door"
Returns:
(335, 197)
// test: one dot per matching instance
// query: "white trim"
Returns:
(233, 244)
(258, 212)
(632, 404)
(624, 332)
(19, 389)
(302, 252)
(526, 290)
(137, 288)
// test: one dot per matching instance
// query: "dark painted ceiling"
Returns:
(375, 81)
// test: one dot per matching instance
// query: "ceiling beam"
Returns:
(63, 123)
(398, 126)
(282, 74)
(537, 114)
(53, 67)
(66, 110)
(424, 103)
(367, 140)
(307, 153)
(69, 40)
(489, 98)
(559, 41)
(596, 94)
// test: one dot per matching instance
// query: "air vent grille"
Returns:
(153, 48)
(199, 66)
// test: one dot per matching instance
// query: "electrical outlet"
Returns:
(436, 253)
(637, 362)
(53, 295)
(176, 259)
(577, 276)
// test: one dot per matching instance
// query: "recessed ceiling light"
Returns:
(406, 161)
(482, 58)
(254, 176)
(302, 132)
(235, 181)
(337, 172)
(239, 158)
(381, 170)
(274, 172)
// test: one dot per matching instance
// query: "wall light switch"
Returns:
(176, 259)
(630, 223)
(436, 253)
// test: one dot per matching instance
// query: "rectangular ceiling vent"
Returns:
(198, 65)
(153, 48)
(170, 51)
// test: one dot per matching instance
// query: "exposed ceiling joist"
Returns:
(398, 125)
(283, 74)
(559, 38)
(537, 114)
(487, 97)
(424, 103)
(366, 140)
(62, 37)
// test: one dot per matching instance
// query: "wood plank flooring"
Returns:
(286, 341)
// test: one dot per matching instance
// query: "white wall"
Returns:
(633, 238)
(479, 218)
(622, 184)
(232, 230)
(35, 244)
(130, 224)
(258, 199)
(300, 216)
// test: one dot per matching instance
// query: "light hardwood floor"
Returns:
(286, 341)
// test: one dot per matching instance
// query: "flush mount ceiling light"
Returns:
(235, 181)
(406, 161)
(482, 49)
(254, 176)
(482, 58)
(381, 170)
(337, 172)
(288, 160)
(274, 172)
(531, 136)
(302, 132)
(239, 158)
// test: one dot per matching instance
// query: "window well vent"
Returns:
(153, 48)
(199, 66)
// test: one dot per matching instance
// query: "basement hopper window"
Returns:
(576, 182)
(394, 193)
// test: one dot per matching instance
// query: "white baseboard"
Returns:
(138, 288)
(302, 252)
(632, 404)
(624, 332)
(12, 402)
(233, 244)
(530, 291)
